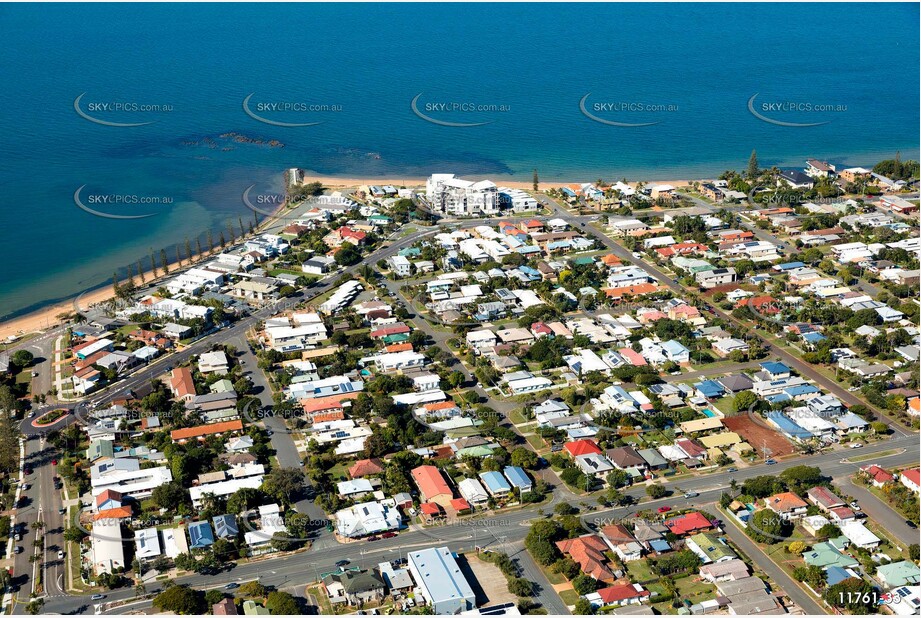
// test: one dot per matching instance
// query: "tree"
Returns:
(535, 180)
(854, 595)
(585, 584)
(170, 496)
(656, 491)
(618, 478)
(282, 542)
(252, 590)
(347, 255)
(74, 535)
(744, 400)
(283, 484)
(181, 600)
(584, 608)
(22, 358)
(281, 603)
(520, 587)
(35, 607)
(796, 547)
(753, 165)
(914, 552)
(766, 526)
(213, 596)
(521, 456)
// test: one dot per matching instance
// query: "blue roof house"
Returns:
(225, 526)
(776, 370)
(200, 534)
(495, 483)
(709, 389)
(518, 478)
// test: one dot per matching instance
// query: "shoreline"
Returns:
(336, 182)
(46, 317)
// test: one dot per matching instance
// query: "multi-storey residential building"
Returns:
(453, 196)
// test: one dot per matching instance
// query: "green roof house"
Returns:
(710, 548)
(223, 386)
(251, 608)
(897, 574)
(825, 554)
(100, 449)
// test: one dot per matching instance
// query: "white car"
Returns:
(60, 555)
(856, 445)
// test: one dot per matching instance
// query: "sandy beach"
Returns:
(47, 317)
(334, 182)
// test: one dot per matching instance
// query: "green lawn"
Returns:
(569, 597)
(639, 571)
(517, 417)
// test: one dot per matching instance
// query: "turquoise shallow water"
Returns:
(691, 69)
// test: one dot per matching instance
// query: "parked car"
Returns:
(19, 549)
(691, 494)
(732, 469)
(28, 470)
(856, 445)
(97, 597)
(388, 535)
(374, 538)
(60, 554)
(342, 563)
(854, 505)
(664, 509)
(232, 586)
(771, 462)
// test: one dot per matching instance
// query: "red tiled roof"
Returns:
(399, 347)
(181, 382)
(206, 430)
(878, 474)
(632, 356)
(784, 502)
(912, 475)
(582, 447)
(688, 523)
(390, 329)
(430, 508)
(322, 404)
(430, 482)
(631, 290)
(108, 494)
(588, 552)
(614, 594)
(365, 467)
(122, 512)
(459, 504)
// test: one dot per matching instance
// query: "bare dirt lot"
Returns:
(758, 435)
(492, 586)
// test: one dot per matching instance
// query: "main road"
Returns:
(498, 529)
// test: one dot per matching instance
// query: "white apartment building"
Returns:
(453, 196)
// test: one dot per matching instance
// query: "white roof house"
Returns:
(367, 518)
(472, 491)
(223, 488)
(859, 535)
(108, 550)
(147, 543)
(175, 542)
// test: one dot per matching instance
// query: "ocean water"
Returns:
(690, 69)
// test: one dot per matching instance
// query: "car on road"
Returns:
(342, 563)
(28, 470)
(54, 462)
(232, 586)
(732, 469)
(17, 537)
(691, 494)
(374, 538)
(62, 510)
(97, 597)
(911, 524)
(854, 505)
(388, 535)
(25, 487)
(771, 462)
(32, 414)
(19, 549)
(664, 509)
(60, 554)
